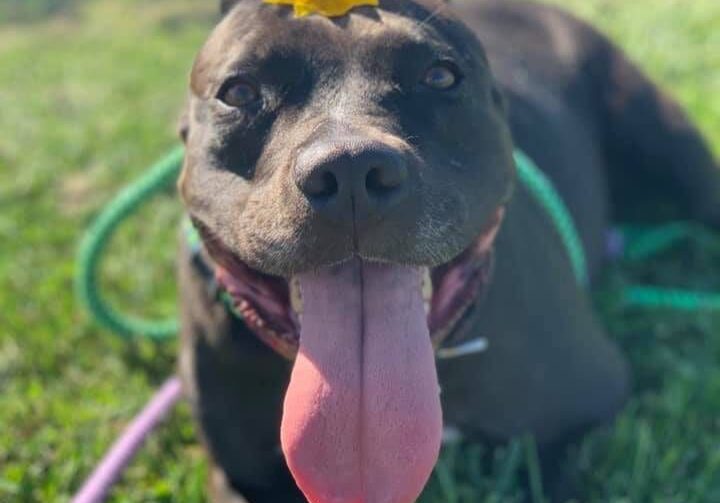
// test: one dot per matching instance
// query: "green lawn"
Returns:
(89, 93)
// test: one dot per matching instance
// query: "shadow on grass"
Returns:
(30, 11)
(24, 12)
(176, 22)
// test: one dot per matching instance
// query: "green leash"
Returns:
(92, 247)
(641, 244)
(544, 193)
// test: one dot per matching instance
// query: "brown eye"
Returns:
(239, 93)
(442, 76)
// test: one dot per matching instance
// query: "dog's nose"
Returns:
(352, 183)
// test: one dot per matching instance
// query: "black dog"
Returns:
(348, 176)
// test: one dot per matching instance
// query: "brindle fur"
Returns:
(608, 138)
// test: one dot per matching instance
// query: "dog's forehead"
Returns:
(386, 25)
(258, 30)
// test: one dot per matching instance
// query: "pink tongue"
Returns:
(362, 420)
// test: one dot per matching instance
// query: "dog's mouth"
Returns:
(362, 419)
(271, 306)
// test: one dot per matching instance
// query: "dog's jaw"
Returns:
(271, 306)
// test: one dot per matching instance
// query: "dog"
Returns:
(353, 182)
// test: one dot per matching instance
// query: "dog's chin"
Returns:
(272, 306)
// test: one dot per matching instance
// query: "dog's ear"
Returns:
(183, 125)
(183, 130)
(499, 99)
(226, 5)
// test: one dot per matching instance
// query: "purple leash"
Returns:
(97, 486)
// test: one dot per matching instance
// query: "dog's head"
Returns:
(377, 137)
(378, 134)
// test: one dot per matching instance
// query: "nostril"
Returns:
(322, 185)
(382, 180)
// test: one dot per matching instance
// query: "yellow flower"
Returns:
(329, 8)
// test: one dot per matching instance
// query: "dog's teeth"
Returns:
(295, 296)
(427, 286)
(427, 289)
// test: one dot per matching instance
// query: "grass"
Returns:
(89, 93)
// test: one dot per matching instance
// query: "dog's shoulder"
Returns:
(529, 24)
(544, 40)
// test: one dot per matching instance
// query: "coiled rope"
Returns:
(94, 244)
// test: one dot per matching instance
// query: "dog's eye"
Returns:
(442, 76)
(238, 93)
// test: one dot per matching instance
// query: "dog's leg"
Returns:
(561, 479)
(550, 369)
(654, 150)
(219, 490)
(235, 386)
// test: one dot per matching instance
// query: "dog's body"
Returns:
(598, 128)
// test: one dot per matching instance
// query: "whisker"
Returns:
(432, 15)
